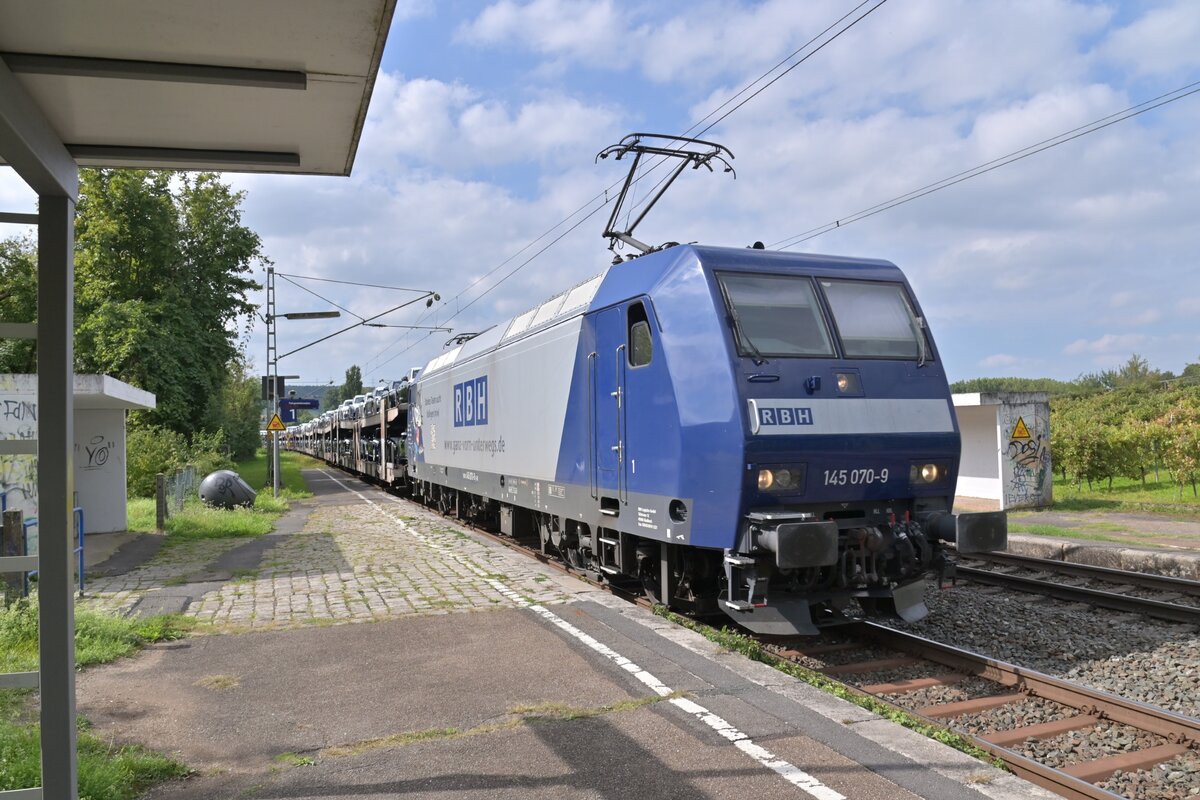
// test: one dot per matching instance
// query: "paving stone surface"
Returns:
(351, 562)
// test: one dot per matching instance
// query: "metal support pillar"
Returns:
(56, 492)
(272, 379)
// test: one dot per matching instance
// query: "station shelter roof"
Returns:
(92, 392)
(261, 86)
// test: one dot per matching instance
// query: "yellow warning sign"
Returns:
(1020, 432)
(276, 425)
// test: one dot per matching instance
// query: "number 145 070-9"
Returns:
(855, 477)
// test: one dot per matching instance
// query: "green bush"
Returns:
(151, 449)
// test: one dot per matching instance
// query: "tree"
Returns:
(162, 273)
(237, 411)
(350, 388)
(18, 302)
(1191, 373)
(1181, 452)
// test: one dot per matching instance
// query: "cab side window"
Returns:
(641, 344)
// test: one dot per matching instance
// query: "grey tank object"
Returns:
(226, 489)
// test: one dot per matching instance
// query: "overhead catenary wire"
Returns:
(349, 283)
(502, 280)
(649, 170)
(996, 163)
(318, 296)
(763, 88)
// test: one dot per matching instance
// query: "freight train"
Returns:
(769, 434)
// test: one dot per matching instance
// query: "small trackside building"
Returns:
(1005, 448)
(100, 466)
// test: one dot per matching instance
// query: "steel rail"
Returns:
(1176, 728)
(1144, 580)
(1081, 594)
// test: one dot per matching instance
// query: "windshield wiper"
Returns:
(738, 334)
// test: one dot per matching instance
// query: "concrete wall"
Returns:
(979, 466)
(18, 420)
(1027, 474)
(100, 479)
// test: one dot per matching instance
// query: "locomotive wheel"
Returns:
(650, 573)
(652, 589)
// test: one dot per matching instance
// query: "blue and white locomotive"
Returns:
(768, 433)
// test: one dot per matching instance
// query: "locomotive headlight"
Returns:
(781, 479)
(848, 383)
(927, 473)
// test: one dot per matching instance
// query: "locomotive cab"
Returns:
(851, 449)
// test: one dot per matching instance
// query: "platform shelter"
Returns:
(101, 403)
(1005, 448)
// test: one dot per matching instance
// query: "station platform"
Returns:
(478, 673)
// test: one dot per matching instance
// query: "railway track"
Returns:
(1173, 599)
(867, 657)
(875, 652)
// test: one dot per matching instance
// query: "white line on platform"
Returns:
(791, 773)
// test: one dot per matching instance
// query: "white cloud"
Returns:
(454, 127)
(1027, 121)
(1146, 317)
(15, 196)
(1107, 344)
(1121, 299)
(587, 31)
(412, 9)
(1000, 360)
(1163, 40)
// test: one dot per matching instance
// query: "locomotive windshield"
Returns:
(875, 320)
(776, 315)
(779, 315)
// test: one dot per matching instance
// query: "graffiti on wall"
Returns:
(95, 453)
(1028, 475)
(18, 420)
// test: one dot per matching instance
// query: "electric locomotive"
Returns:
(766, 433)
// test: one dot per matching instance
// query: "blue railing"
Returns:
(32, 522)
(79, 549)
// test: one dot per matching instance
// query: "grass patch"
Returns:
(739, 643)
(561, 711)
(99, 638)
(218, 683)
(105, 772)
(198, 521)
(294, 760)
(1127, 495)
(291, 482)
(1039, 529)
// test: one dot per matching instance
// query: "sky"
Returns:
(486, 120)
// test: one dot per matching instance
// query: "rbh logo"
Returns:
(471, 402)
(785, 416)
